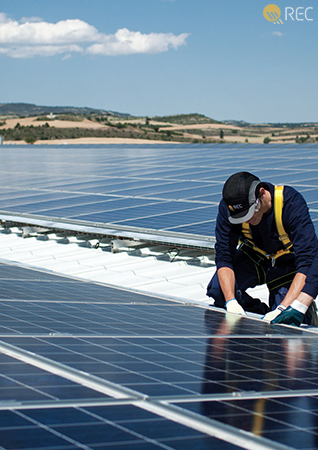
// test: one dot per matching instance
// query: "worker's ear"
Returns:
(261, 193)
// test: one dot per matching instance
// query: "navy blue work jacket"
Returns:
(297, 224)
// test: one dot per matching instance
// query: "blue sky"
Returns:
(162, 57)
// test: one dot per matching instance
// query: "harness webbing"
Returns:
(283, 236)
(279, 203)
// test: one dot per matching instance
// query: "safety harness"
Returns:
(282, 235)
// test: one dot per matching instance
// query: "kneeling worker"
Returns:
(277, 246)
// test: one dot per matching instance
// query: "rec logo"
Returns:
(272, 13)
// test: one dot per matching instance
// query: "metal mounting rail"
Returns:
(100, 230)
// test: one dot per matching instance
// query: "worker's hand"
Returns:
(273, 314)
(290, 317)
(233, 306)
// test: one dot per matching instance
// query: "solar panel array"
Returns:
(89, 366)
(158, 189)
(85, 365)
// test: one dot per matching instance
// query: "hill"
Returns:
(22, 122)
(28, 109)
(186, 119)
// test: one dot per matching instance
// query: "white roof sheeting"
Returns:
(147, 269)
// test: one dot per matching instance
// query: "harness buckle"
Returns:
(273, 260)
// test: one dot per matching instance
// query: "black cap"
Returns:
(239, 193)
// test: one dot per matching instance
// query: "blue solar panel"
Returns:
(159, 188)
(84, 365)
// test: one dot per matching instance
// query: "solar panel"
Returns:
(161, 190)
(84, 365)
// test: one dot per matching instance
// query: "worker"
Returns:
(264, 235)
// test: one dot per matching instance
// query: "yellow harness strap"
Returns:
(283, 236)
(278, 204)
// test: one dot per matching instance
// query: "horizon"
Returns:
(155, 116)
(162, 58)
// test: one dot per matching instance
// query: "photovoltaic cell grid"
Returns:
(159, 189)
(89, 366)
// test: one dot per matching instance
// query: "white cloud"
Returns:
(125, 42)
(277, 33)
(34, 37)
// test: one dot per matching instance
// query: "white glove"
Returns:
(273, 314)
(233, 306)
